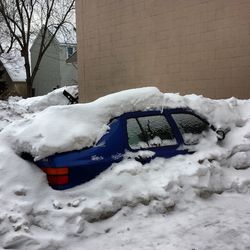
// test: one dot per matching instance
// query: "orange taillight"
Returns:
(58, 179)
(57, 176)
(56, 171)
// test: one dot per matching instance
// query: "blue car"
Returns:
(142, 135)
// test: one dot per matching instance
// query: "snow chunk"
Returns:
(240, 160)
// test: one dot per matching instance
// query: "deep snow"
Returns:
(198, 201)
(64, 128)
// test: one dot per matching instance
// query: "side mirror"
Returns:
(220, 134)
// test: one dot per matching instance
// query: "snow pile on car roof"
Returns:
(65, 128)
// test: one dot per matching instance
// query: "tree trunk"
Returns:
(29, 88)
(29, 80)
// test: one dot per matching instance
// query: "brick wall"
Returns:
(185, 46)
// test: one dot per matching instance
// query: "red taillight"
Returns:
(57, 176)
(56, 171)
(58, 179)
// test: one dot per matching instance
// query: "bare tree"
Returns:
(6, 39)
(23, 20)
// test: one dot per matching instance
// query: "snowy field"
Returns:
(196, 202)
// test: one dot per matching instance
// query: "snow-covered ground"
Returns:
(198, 201)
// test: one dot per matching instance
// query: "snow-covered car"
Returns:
(141, 135)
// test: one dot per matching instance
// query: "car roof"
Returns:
(159, 111)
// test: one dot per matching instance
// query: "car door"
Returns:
(153, 132)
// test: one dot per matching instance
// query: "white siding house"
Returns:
(53, 71)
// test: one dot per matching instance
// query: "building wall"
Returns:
(53, 71)
(68, 71)
(48, 75)
(20, 88)
(194, 46)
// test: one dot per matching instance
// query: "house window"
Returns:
(70, 51)
(148, 132)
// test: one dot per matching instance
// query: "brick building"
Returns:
(185, 46)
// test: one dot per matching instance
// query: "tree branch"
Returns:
(22, 17)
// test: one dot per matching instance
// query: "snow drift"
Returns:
(17, 108)
(65, 128)
(202, 199)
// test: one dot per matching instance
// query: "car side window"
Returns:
(149, 131)
(191, 127)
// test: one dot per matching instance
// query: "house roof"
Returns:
(14, 65)
(66, 35)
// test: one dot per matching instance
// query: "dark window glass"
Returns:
(191, 127)
(70, 51)
(136, 137)
(150, 131)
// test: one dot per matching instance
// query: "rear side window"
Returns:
(149, 131)
(191, 127)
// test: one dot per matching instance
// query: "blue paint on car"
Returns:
(85, 164)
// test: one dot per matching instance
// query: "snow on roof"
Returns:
(14, 64)
(65, 128)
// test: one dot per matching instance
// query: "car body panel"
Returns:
(87, 163)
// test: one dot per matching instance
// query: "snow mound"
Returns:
(201, 198)
(10, 112)
(33, 216)
(53, 98)
(16, 108)
(65, 128)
